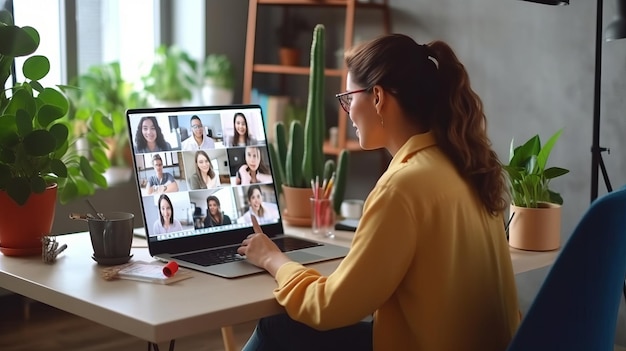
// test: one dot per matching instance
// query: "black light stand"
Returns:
(616, 30)
(596, 149)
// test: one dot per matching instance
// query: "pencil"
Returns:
(329, 186)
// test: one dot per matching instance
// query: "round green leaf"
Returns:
(17, 41)
(54, 97)
(38, 184)
(21, 99)
(48, 114)
(36, 67)
(19, 190)
(58, 168)
(7, 127)
(60, 133)
(23, 122)
(39, 143)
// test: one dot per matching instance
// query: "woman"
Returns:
(264, 212)
(429, 258)
(241, 133)
(166, 222)
(205, 176)
(149, 137)
(215, 217)
(254, 170)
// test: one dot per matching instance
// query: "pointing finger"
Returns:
(255, 225)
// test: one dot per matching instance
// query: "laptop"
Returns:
(198, 217)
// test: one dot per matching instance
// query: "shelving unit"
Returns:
(251, 67)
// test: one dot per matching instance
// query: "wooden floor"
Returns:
(51, 329)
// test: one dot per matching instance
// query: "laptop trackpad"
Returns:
(303, 257)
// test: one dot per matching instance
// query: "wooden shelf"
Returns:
(301, 70)
(350, 145)
(342, 3)
(251, 68)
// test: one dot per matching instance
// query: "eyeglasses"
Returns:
(345, 99)
(196, 126)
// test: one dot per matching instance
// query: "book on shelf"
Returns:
(274, 108)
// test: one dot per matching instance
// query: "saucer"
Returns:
(296, 221)
(111, 261)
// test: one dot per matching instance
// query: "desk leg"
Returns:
(154, 346)
(228, 337)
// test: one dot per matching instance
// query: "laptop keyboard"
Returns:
(229, 254)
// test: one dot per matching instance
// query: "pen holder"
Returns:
(322, 217)
(112, 237)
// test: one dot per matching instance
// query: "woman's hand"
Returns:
(244, 175)
(261, 251)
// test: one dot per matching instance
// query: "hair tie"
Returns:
(430, 54)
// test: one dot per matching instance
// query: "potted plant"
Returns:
(38, 157)
(288, 33)
(172, 78)
(103, 92)
(299, 155)
(536, 209)
(219, 80)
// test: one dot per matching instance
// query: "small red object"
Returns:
(170, 269)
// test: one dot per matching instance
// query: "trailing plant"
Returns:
(300, 152)
(36, 146)
(173, 75)
(528, 177)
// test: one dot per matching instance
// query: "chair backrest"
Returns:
(576, 307)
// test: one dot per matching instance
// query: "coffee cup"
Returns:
(352, 209)
(111, 237)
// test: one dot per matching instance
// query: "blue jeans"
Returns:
(281, 333)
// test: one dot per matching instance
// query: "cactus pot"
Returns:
(298, 206)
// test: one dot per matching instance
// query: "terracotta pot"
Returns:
(298, 206)
(21, 227)
(536, 229)
(289, 56)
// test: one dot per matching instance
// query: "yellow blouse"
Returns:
(427, 260)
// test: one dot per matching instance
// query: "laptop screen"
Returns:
(201, 172)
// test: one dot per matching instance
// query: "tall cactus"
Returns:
(300, 156)
(313, 163)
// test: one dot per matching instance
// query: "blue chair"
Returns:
(577, 305)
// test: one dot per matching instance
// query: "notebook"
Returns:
(197, 195)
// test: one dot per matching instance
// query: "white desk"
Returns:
(159, 313)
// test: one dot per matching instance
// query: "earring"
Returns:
(382, 122)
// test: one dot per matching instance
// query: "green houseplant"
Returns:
(299, 152)
(529, 179)
(172, 77)
(219, 80)
(535, 214)
(103, 92)
(38, 155)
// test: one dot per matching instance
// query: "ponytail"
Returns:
(459, 125)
